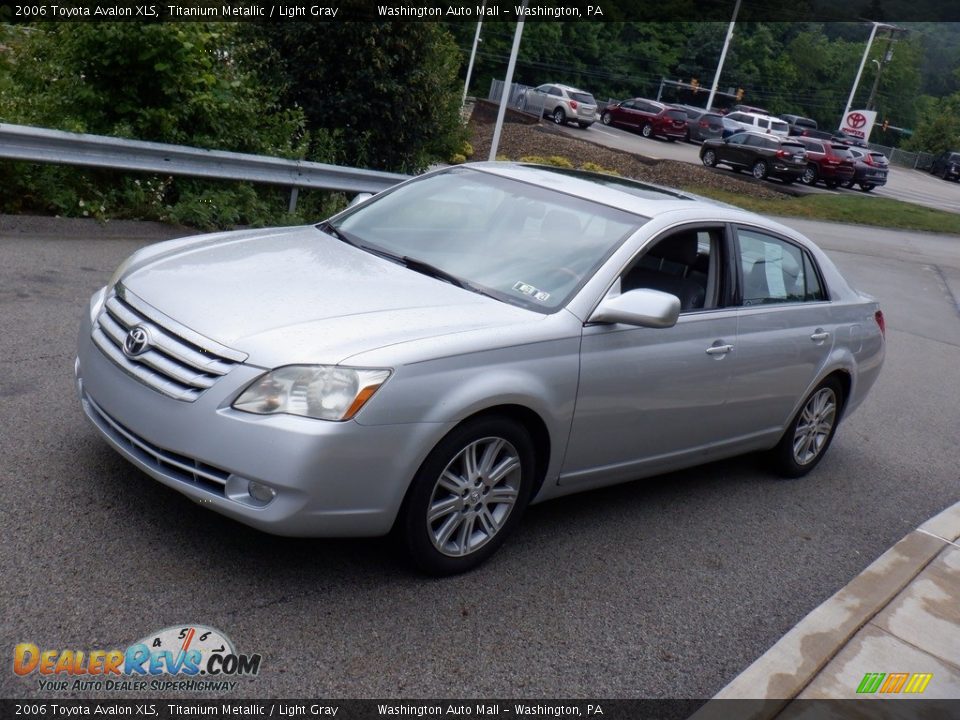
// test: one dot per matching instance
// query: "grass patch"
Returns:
(860, 210)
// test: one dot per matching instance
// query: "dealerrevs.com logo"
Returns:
(180, 657)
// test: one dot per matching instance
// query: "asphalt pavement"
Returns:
(664, 588)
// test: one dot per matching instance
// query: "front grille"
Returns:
(181, 467)
(177, 362)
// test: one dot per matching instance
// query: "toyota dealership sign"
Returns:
(859, 123)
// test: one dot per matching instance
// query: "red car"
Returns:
(650, 117)
(827, 161)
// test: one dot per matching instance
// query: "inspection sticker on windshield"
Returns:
(533, 292)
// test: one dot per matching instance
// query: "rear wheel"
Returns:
(759, 170)
(709, 158)
(809, 176)
(559, 116)
(468, 495)
(647, 130)
(807, 438)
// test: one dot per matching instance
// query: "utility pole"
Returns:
(473, 55)
(887, 57)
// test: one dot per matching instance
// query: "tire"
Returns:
(671, 139)
(559, 116)
(647, 130)
(759, 170)
(709, 158)
(809, 176)
(606, 118)
(811, 431)
(480, 476)
(848, 184)
(833, 184)
(866, 187)
(584, 125)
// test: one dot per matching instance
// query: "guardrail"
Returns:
(23, 142)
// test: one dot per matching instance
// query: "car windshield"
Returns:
(521, 243)
(585, 98)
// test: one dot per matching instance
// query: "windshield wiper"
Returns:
(420, 266)
(426, 268)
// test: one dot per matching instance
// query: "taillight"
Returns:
(832, 160)
(881, 323)
(704, 124)
(783, 154)
(573, 104)
(868, 160)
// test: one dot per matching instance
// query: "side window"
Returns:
(554, 91)
(754, 141)
(685, 263)
(763, 123)
(775, 271)
(738, 139)
(629, 105)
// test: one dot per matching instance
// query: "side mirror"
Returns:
(643, 307)
(359, 198)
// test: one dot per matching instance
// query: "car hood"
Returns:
(300, 296)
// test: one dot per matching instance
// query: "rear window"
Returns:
(585, 98)
(806, 122)
(676, 114)
(841, 150)
(793, 147)
(878, 156)
(779, 126)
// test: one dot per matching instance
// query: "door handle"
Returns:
(719, 349)
(819, 335)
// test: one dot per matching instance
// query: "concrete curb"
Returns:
(781, 673)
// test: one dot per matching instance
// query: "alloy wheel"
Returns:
(814, 426)
(473, 497)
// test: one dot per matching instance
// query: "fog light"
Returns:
(260, 492)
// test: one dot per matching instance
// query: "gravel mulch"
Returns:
(517, 141)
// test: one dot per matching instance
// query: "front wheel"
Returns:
(807, 438)
(867, 187)
(559, 116)
(606, 118)
(709, 158)
(759, 170)
(468, 495)
(647, 130)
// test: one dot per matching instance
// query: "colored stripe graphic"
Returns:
(894, 683)
(918, 682)
(870, 682)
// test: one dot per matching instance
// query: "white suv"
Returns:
(562, 104)
(760, 123)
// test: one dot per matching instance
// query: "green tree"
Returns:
(376, 95)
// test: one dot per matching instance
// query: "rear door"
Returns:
(784, 334)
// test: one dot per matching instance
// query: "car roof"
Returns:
(569, 88)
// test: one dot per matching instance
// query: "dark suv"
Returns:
(870, 169)
(764, 155)
(649, 117)
(828, 161)
(947, 166)
(799, 124)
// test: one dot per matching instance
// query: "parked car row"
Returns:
(788, 148)
(788, 159)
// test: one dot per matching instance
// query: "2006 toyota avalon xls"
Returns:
(433, 359)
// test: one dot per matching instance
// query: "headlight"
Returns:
(324, 392)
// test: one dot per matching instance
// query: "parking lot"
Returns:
(915, 186)
(665, 588)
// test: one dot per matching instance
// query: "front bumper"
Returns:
(331, 478)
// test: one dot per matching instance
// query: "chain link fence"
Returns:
(896, 156)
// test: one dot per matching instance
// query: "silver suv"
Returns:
(562, 104)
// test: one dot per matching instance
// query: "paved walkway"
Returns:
(893, 632)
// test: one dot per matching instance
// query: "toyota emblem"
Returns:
(856, 120)
(137, 341)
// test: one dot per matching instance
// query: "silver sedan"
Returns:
(432, 360)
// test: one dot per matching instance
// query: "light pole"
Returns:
(507, 82)
(473, 55)
(887, 57)
(723, 55)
